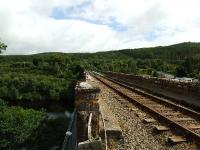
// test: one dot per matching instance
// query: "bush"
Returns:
(18, 126)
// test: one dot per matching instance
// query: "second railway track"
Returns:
(178, 119)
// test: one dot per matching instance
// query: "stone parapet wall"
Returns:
(183, 91)
(86, 103)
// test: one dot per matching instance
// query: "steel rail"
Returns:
(156, 98)
(163, 119)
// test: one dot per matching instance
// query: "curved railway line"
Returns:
(180, 120)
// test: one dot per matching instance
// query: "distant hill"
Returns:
(176, 52)
(181, 59)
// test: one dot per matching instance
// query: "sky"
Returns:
(37, 26)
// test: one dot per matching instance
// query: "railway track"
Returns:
(180, 120)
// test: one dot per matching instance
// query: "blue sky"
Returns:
(35, 26)
(71, 12)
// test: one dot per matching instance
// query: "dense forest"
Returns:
(181, 60)
(44, 78)
(32, 86)
(32, 82)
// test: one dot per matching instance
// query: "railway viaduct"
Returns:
(121, 111)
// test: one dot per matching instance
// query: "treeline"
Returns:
(175, 52)
(38, 79)
(33, 87)
(181, 60)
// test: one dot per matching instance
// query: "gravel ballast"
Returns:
(137, 134)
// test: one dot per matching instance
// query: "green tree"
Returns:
(2, 46)
(180, 71)
(18, 126)
(188, 65)
(155, 74)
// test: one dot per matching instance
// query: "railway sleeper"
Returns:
(161, 128)
(193, 126)
(140, 114)
(177, 139)
(183, 119)
(149, 120)
(154, 105)
(164, 109)
(171, 113)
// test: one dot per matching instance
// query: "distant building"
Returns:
(185, 79)
(176, 79)
(165, 75)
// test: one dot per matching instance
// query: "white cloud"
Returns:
(28, 26)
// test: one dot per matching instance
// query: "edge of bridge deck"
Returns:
(112, 126)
